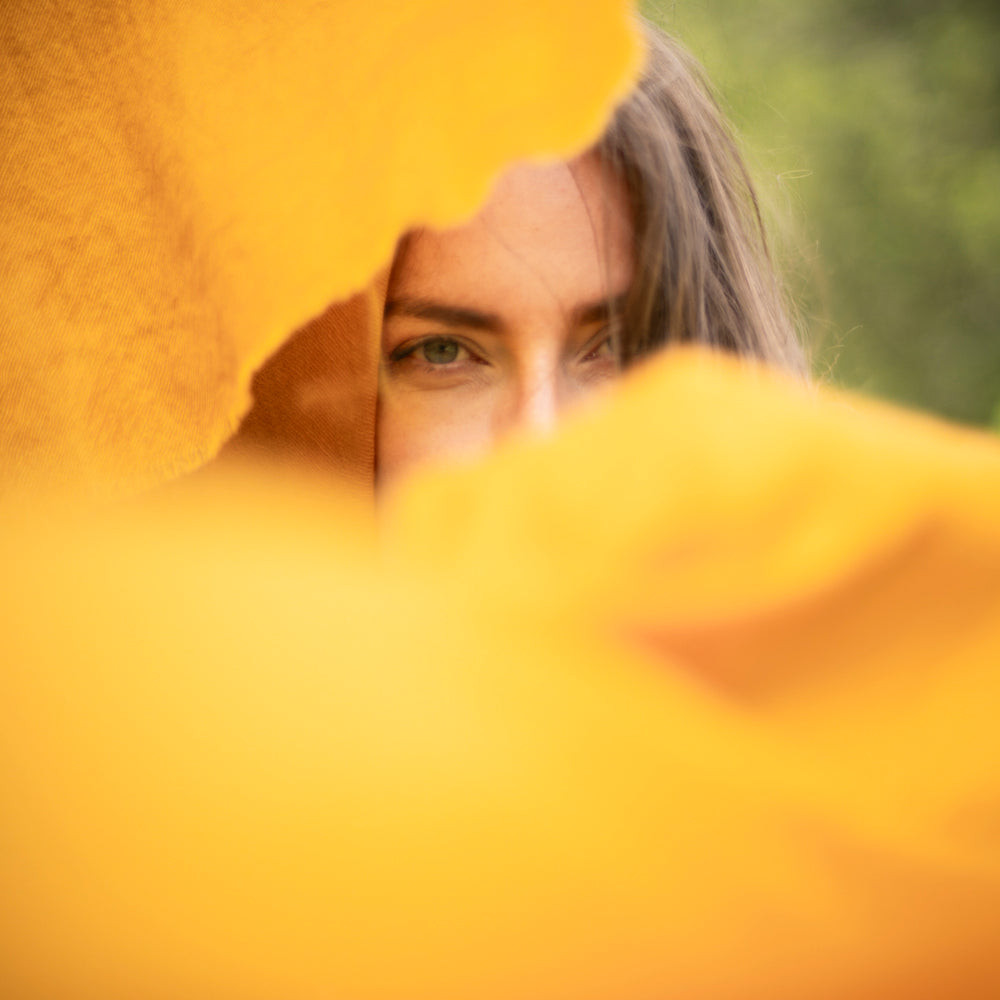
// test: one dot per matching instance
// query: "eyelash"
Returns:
(602, 339)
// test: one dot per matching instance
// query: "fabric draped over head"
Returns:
(186, 184)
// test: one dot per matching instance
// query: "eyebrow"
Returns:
(599, 311)
(439, 312)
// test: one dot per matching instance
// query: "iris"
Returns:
(439, 351)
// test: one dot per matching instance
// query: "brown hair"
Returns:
(703, 272)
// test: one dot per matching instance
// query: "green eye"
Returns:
(440, 351)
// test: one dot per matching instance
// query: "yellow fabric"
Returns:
(697, 699)
(186, 183)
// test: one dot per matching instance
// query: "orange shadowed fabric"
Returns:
(314, 400)
(186, 184)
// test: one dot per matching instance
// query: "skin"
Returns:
(501, 324)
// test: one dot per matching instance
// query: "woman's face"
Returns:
(502, 323)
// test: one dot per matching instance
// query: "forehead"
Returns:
(555, 233)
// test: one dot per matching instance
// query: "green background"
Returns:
(873, 131)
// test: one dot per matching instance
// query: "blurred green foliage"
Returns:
(873, 130)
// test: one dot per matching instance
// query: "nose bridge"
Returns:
(541, 402)
(536, 394)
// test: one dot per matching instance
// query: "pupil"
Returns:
(440, 352)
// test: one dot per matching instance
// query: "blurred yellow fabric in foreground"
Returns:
(695, 700)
